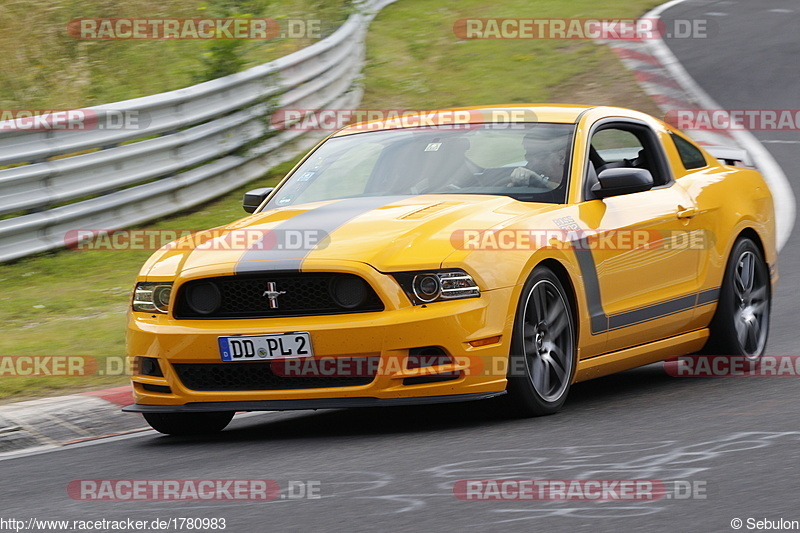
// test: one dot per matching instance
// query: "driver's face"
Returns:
(545, 161)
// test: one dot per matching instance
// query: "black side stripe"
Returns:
(326, 218)
(651, 312)
(708, 296)
(600, 322)
(597, 316)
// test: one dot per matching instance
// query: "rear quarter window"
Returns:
(690, 155)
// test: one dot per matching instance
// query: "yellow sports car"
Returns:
(458, 255)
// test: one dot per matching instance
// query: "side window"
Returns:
(690, 155)
(615, 146)
(629, 145)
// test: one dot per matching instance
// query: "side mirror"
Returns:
(616, 181)
(253, 199)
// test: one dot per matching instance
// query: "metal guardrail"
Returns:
(191, 154)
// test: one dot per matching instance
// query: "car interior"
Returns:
(609, 147)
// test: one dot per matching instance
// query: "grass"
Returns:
(74, 302)
(45, 68)
(423, 65)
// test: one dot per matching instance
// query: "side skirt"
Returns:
(603, 365)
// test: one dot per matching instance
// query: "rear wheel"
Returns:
(189, 423)
(543, 347)
(741, 322)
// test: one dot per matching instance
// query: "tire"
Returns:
(543, 347)
(741, 322)
(189, 423)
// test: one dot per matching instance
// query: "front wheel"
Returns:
(189, 423)
(543, 347)
(741, 321)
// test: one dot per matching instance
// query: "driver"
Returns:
(545, 156)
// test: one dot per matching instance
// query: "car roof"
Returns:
(397, 119)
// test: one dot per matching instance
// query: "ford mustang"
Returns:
(459, 255)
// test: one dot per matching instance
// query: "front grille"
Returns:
(302, 294)
(256, 376)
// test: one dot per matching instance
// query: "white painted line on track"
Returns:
(783, 196)
(39, 450)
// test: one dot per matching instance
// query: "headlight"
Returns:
(152, 297)
(437, 285)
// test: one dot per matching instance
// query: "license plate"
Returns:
(265, 347)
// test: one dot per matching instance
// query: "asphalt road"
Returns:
(393, 469)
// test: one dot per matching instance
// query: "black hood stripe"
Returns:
(324, 219)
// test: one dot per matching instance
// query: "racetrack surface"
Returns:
(393, 469)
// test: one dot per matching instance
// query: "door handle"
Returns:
(686, 212)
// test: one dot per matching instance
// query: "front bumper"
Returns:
(389, 334)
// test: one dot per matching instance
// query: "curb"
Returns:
(666, 81)
(668, 91)
(62, 420)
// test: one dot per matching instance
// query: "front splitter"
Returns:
(316, 403)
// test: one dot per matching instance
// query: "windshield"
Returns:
(525, 161)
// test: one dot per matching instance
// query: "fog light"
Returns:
(203, 297)
(349, 292)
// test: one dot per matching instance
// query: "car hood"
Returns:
(389, 233)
